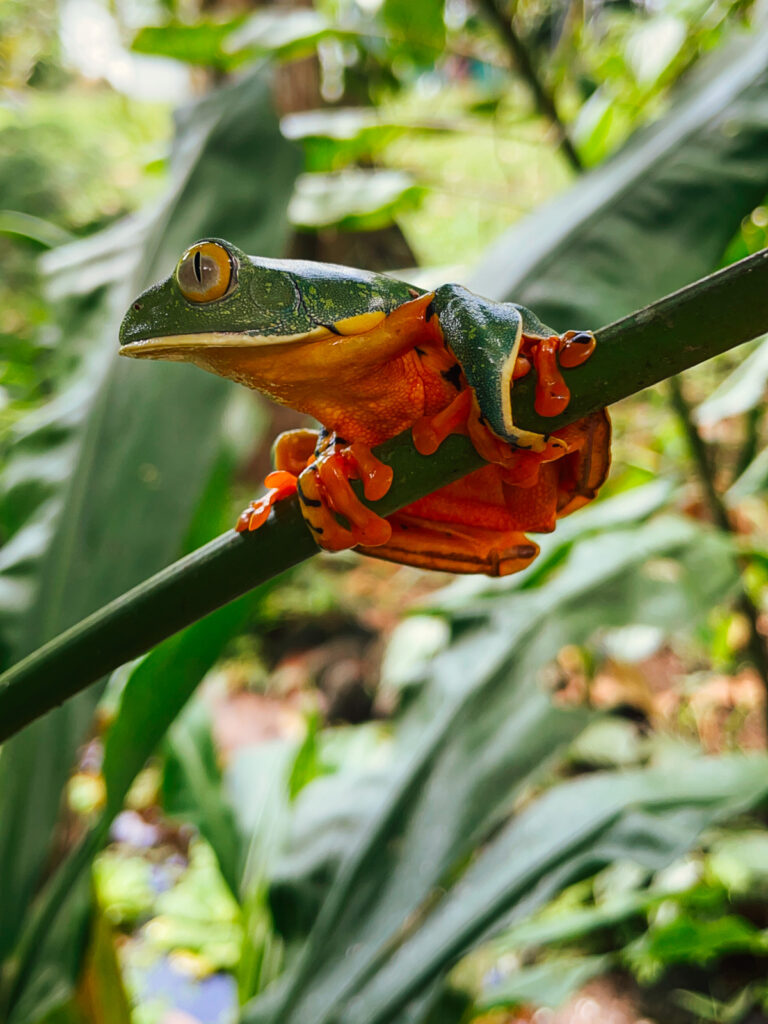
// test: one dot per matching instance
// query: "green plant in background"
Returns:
(360, 880)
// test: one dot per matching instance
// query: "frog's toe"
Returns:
(576, 347)
(281, 485)
(325, 495)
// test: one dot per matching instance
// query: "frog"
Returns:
(369, 356)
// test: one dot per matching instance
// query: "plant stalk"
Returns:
(545, 103)
(681, 330)
(756, 648)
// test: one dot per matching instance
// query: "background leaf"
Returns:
(477, 736)
(655, 216)
(141, 456)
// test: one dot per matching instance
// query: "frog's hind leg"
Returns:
(451, 547)
(331, 509)
(584, 469)
(291, 452)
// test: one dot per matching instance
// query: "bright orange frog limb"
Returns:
(369, 357)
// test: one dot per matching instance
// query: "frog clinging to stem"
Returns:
(370, 356)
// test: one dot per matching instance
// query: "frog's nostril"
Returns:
(137, 306)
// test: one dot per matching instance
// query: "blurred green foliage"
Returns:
(478, 847)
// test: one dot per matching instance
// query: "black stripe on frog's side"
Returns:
(311, 502)
(453, 376)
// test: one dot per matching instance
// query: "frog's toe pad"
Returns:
(281, 485)
(325, 495)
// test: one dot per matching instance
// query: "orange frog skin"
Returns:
(369, 357)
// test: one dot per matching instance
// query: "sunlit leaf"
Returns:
(201, 43)
(193, 788)
(352, 200)
(12, 222)
(286, 34)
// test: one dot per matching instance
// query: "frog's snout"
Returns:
(132, 328)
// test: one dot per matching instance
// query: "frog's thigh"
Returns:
(454, 547)
(485, 338)
(292, 450)
(583, 471)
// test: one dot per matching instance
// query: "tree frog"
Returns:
(369, 356)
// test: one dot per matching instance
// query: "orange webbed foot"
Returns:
(281, 485)
(325, 493)
(548, 355)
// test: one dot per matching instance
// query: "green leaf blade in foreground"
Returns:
(651, 816)
(480, 730)
(135, 467)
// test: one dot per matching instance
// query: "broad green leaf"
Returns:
(371, 852)
(193, 789)
(573, 829)
(657, 215)
(286, 35)
(157, 688)
(201, 43)
(694, 940)
(336, 137)
(13, 222)
(137, 456)
(569, 925)
(352, 200)
(258, 785)
(417, 29)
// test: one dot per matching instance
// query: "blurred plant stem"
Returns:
(502, 18)
(702, 458)
(639, 350)
(751, 441)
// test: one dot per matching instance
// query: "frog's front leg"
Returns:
(495, 344)
(291, 452)
(548, 354)
(325, 495)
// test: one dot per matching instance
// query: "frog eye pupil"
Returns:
(205, 272)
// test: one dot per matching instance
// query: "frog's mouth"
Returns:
(181, 347)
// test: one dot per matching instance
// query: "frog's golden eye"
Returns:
(204, 272)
